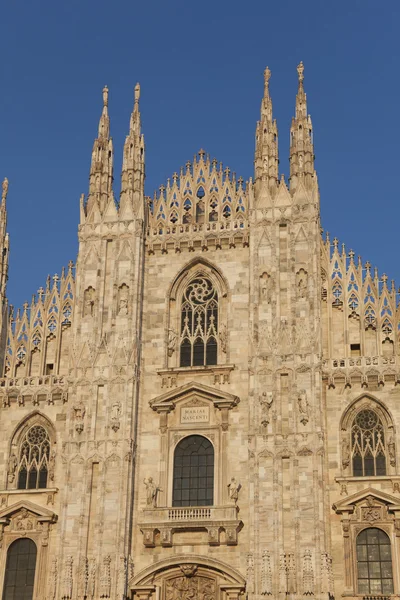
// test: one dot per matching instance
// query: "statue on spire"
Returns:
(105, 96)
(5, 189)
(300, 72)
(137, 93)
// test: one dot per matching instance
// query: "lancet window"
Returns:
(199, 324)
(374, 562)
(368, 445)
(33, 459)
(193, 472)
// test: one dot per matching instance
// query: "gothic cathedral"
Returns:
(204, 406)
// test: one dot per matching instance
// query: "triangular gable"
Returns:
(42, 514)
(169, 399)
(347, 505)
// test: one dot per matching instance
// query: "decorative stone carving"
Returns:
(53, 578)
(84, 577)
(52, 465)
(266, 400)
(233, 490)
(89, 299)
(266, 574)
(12, 467)
(371, 512)
(308, 574)
(151, 492)
(24, 521)
(123, 297)
(190, 588)
(68, 578)
(303, 406)
(79, 412)
(105, 580)
(250, 573)
(92, 578)
(172, 339)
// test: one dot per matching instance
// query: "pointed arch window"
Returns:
(193, 472)
(374, 562)
(33, 459)
(20, 570)
(368, 445)
(199, 324)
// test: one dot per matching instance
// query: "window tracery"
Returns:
(199, 324)
(33, 459)
(368, 445)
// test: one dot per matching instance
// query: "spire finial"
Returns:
(5, 189)
(300, 71)
(105, 96)
(137, 93)
(267, 75)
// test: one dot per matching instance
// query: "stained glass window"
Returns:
(368, 445)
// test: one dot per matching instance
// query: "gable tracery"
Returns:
(34, 334)
(202, 193)
(365, 300)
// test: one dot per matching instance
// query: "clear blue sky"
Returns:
(200, 65)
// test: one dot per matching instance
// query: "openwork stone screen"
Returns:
(374, 562)
(34, 454)
(194, 472)
(199, 324)
(368, 445)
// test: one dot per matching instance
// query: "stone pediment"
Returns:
(367, 496)
(40, 513)
(190, 391)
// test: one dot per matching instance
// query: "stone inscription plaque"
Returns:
(195, 414)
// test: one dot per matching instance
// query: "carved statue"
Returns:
(345, 452)
(223, 337)
(23, 521)
(151, 492)
(265, 287)
(266, 400)
(52, 465)
(5, 189)
(115, 415)
(123, 300)
(12, 467)
(172, 337)
(302, 283)
(234, 489)
(88, 302)
(392, 451)
(303, 407)
(79, 415)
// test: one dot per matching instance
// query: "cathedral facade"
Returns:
(204, 406)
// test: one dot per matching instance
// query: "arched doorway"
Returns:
(19, 577)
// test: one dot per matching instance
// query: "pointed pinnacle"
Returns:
(267, 76)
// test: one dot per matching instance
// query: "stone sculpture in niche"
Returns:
(301, 281)
(172, 337)
(123, 294)
(392, 451)
(151, 492)
(52, 465)
(266, 400)
(88, 302)
(115, 415)
(345, 452)
(265, 287)
(79, 416)
(303, 407)
(12, 467)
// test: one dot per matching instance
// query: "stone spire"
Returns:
(266, 155)
(5, 249)
(132, 186)
(101, 169)
(301, 139)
